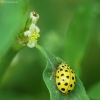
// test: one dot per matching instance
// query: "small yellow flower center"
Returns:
(34, 37)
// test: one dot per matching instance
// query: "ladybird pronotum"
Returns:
(65, 78)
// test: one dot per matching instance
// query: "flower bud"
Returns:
(34, 16)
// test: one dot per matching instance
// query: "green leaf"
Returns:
(94, 91)
(78, 35)
(78, 93)
(12, 19)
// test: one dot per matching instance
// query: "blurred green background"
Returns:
(70, 29)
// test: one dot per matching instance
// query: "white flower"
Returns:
(27, 33)
(34, 16)
(33, 28)
(32, 34)
(31, 44)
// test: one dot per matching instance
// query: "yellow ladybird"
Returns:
(65, 78)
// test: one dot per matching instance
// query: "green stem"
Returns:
(41, 49)
(7, 58)
(51, 58)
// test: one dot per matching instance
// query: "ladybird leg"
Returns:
(57, 68)
(55, 83)
(54, 76)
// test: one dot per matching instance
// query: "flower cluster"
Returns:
(32, 34)
(32, 31)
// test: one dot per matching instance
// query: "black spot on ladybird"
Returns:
(63, 66)
(69, 90)
(62, 74)
(62, 79)
(71, 85)
(67, 76)
(57, 76)
(58, 71)
(61, 69)
(72, 71)
(72, 78)
(70, 67)
(58, 83)
(66, 70)
(63, 89)
(66, 84)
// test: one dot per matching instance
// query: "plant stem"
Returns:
(7, 58)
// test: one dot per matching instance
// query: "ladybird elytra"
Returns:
(65, 78)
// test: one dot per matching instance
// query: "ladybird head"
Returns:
(63, 65)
